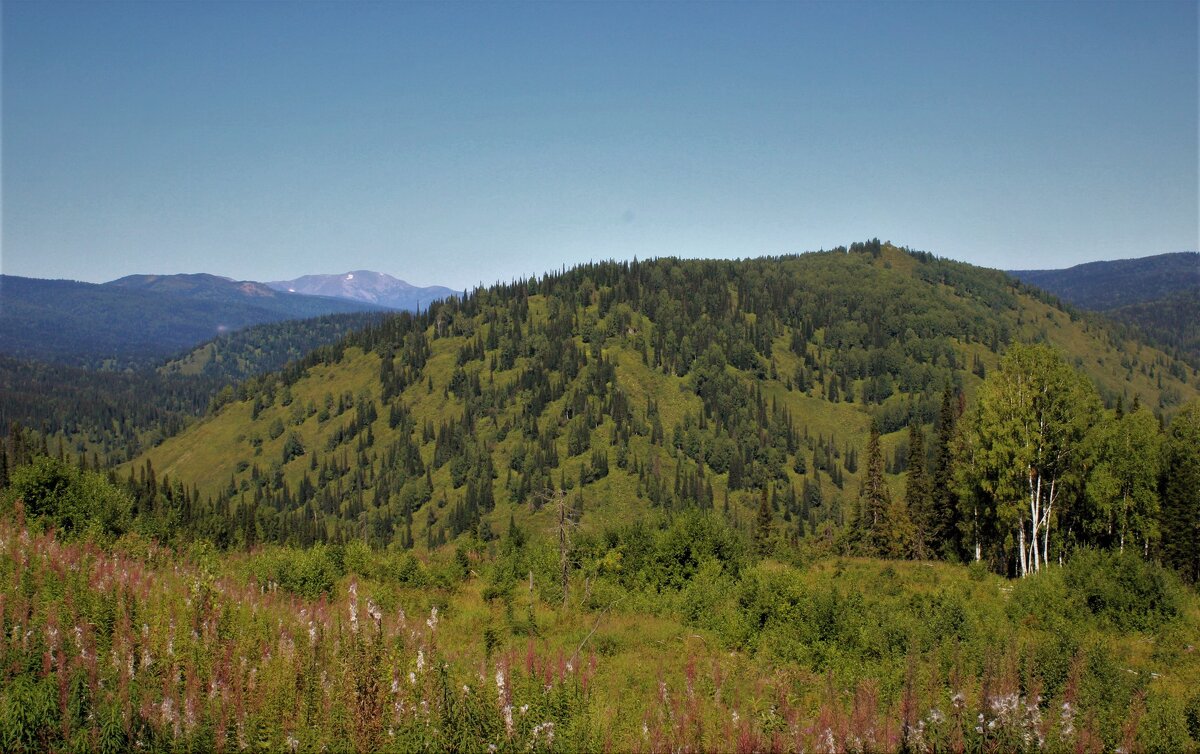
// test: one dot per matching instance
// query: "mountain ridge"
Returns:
(366, 285)
(1109, 284)
(138, 320)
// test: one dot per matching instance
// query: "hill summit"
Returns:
(629, 386)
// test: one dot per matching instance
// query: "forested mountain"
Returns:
(747, 387)
(106, 416)
(364, 285)
(264, 348)
(1158, 296)
(139, 320)
(653, 506)
(109, 415)
(1104, 286)
(1172, 321)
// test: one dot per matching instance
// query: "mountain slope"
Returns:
(364, 285)
(138, 320)
(1158, 296)
(268, 347)
(1104, 286)
(667, 384)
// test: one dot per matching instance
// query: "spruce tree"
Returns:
(916, 491)
(762, 525)
(944, 513)
(1180, 512)
(873, 500)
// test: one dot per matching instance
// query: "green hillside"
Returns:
(1157, 296)
(665, 385)
(264, 348)
(656, 506)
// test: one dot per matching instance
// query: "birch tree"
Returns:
(1122, 484)
(1025, 440)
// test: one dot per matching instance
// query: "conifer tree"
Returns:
(944, 514)
(1181, 493)
(917, 492)
(873, 500)
(762, 525)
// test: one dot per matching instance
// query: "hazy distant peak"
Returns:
(365, 285)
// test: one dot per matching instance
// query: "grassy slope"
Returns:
(658, 684)
(209, 453)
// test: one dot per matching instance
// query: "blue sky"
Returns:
(455, 144)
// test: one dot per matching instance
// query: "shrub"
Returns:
(72, 501)
(1123, 589)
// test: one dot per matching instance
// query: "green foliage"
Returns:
(1181, 493)
(71, 501)
(308, 573)
(1125, 456)
(1123, 589)
(1021, 447)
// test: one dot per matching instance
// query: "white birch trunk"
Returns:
(1046, 523)
(1021, 548)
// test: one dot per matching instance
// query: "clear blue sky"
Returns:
(455, 144)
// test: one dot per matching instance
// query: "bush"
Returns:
(1123, 589)
(58, 494)
(308, 573)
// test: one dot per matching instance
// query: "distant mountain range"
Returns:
(363, 285)
(140, 319)
(1158, 295)
(1104, 286)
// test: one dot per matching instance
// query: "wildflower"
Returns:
(412, 678)
(374, 611)
(547, 729)
(433, 619)
(524, 709)
(1067, 718)
(420, 660)
(829, 745)
(291, 742)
